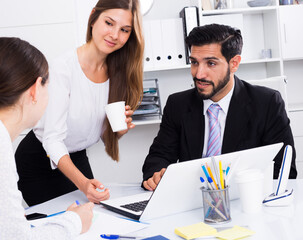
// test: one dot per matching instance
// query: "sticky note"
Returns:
(234, 233)
(194, 231)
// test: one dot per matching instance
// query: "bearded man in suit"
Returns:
(247, 116)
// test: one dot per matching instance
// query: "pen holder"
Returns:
(216, 205)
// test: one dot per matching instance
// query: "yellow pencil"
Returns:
(211, 175)
(221, 174)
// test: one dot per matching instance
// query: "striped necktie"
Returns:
(214, 138)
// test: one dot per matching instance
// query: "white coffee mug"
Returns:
(116, 115)
(250, 184)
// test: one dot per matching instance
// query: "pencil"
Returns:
(211, 175)
(221, 174)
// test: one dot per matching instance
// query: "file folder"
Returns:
(190, 19)
(156, 39)
(148, 49)
(173, 45)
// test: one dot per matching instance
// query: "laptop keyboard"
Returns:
(137, 206)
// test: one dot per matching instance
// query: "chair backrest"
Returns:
(278, 83)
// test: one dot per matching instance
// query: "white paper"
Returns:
(106, 224)
(103, 224)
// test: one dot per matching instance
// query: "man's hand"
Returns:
(151, 183)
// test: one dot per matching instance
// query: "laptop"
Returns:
(179, 189)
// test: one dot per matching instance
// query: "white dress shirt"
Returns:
(75, 113)
(13, 224)
(224, 104)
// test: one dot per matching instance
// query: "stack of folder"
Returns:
(150, 107)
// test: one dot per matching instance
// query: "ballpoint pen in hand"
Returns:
(58, 213)
(115, 236)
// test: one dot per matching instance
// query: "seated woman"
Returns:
(23, 99)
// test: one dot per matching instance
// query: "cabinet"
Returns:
(269, 27)
(291, 34)
(260, 31)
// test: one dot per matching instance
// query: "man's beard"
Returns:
(221, 84)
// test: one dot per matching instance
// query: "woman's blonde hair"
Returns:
(125, 66)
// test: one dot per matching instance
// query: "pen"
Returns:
(211, 183)
(202, 181)
(227, 169)
(216, 209)
(205, 172)
(216, 170)
(210, 208)
(58, 213)
(115, 236)
(55, 214)
(231, 171)
(211, 175)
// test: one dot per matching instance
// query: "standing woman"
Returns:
(23, 99)
(51, 160)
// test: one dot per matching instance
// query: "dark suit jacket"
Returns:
(256, 117)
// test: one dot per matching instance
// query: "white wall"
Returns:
(134, 147)
(57, 26)
(48, 25)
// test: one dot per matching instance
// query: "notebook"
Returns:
(179, 190)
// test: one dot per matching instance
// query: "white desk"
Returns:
(273, 223)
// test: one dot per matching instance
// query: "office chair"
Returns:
(278, 83)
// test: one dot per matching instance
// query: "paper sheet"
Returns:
(107, 224)
(103, 224)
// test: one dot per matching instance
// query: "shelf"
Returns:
(146, 122)
(164, 68)
(263, 60)
(248, 10)
(295, 107)
(293, 59)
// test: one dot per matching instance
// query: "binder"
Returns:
(206, 5)
(148, 53)
(190, 19)
(156, 39)
(173, 45)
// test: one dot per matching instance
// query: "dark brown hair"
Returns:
(125, 66)
(229, 38)
(20, 66)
